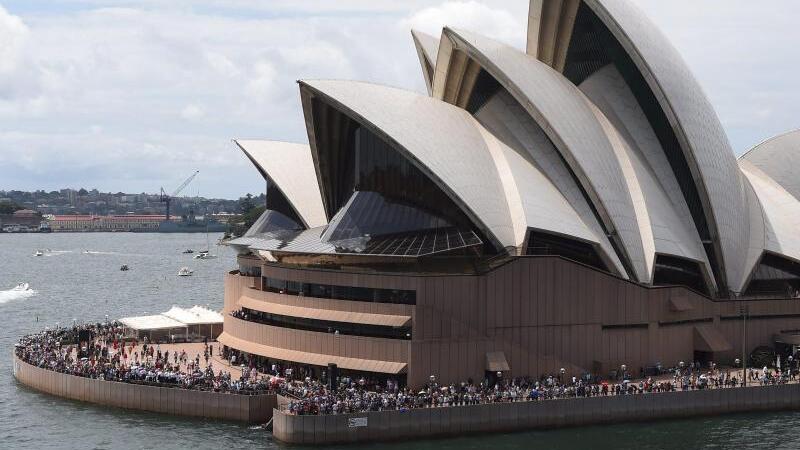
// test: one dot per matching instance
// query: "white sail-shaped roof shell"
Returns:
(774, 204)
(503, 193)
(290, 167)
(691, 116)
(567, 117)
(779, 159)
(672, 229)
(427, 48)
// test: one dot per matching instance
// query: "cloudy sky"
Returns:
(130, 95)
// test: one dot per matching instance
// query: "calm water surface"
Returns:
(72, 284)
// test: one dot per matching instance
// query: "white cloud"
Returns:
(13, 35)
(496, 23)
(130, 94)
(192, 112)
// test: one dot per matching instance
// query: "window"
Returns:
(674, 271)
(540, 243)
(353, 293)
(325, 326)
(776, 277)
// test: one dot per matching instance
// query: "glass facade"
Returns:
(278, 202)
(674, 271)
(776, 277)
(372, 214)
(382, 202)
(325, 326)
(540, 243)
(353, 293)
(485, 88)
(272, 221)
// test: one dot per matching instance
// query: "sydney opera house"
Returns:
(575, 205)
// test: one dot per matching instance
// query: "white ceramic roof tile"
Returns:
(291, 168)
(443, 140)
(565, 115)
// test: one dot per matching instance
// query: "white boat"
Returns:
(185, 272)
(204, 255)
(22, 287)
(38, 253)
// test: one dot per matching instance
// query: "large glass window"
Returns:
(324, 326)
(775, 277)
(372, 189)
(674, 271)
(372, 214)
(354, 293)
(540, 243)
(276, 201)
(271, 222)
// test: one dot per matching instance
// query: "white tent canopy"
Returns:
(206, 315)
(156, 322)
(176, 317)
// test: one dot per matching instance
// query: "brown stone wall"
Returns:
(181, 402)
(460, 420)
(544, 313)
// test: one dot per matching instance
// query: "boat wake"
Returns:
(22, 291)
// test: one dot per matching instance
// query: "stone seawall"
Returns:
(460, 420)
(175, 401)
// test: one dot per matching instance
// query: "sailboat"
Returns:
(205, 254)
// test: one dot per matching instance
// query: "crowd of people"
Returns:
(99, 351)
(312, 397)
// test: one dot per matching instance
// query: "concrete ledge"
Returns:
(173, 401)
(460, 420)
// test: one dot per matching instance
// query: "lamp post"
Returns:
(561, 373)
(624, 371)
(736, 363)
(744, 344)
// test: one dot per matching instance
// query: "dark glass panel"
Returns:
(775, 276)
(278, 202)
(325, 326)
(674, 271)
(485, 88)
(540, 243)
(353, 293)
(372, 214)
(272, 221)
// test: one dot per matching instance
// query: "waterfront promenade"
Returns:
(522, 416)
(174, 379)
(178, 379)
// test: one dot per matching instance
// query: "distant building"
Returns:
(23, 220)
(128, 222)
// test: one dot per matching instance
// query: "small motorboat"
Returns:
(185, 272)
(188, 251)
(204, 255)
(124, 268)
(38, 253)
(22, 287)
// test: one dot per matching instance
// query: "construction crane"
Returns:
(168, 198)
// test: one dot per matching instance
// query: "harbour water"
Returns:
(79, 278)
